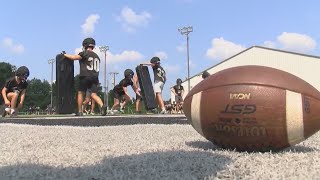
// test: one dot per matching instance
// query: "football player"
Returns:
(120, 91)
(178, 91)
(205, 74)
(89, 74)
(14, 87)
(159, 81)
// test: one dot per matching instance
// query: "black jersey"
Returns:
(13, 86)
(178, 89)
(123, 83)
(159, 73)
(89, 64)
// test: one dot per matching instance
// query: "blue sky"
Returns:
(34, 31)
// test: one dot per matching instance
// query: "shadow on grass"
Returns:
(155, 165)
(207, 145)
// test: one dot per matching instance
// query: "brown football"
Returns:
(253, 108)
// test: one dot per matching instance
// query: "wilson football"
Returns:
(253, 108)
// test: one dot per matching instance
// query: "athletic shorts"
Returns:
(118, 95)
(178, 99)
(88, 93)
(87, 82)
(158, 86)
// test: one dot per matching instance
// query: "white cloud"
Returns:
(296, 42)
(172, 69)
(181, 48)
(222, 49)
(131, 20)
(161, 55)
(125, 56)
(293, 42)
(89, 25)
(191, 64)
(11, 46)
(269, 44)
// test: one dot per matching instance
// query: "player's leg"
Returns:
(83, 86)
(138, 100)
(126, 100)
(116, 102)
(177, 100)
(13, 98)
(6, 108)
(95, 97)
(93, 106)
(158, 86)
(86, 102)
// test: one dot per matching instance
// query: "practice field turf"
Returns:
(137, 147)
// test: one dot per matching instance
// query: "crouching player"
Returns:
(14, 87)
(120, 91)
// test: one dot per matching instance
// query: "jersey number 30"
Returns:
(94, 64)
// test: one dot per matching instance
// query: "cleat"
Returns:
(4, 112)
(164, 112)
(104, 110)
(79, 114)
(111, 112)
(13, 114)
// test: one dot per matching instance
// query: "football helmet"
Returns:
(205, 74)
(179, 81)
(128, 73)
(88, 42)
(23, 71)
(155, 60)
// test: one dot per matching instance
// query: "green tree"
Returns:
(38, 94)
(6, 71)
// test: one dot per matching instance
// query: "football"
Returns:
(253, 108)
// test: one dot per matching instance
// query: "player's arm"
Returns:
(4, 95)
(135, 80)
(174, 92)
(136, 90)
(165, 76)
(182, 91)
(134, 86)
(125, 90)
(145, 64)
(73, 57)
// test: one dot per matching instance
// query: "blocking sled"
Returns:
(146, 87)
(64, 85)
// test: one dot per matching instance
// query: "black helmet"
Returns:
(179, 81)
(88, 42)
(23, 71)
(128, 73)
(205, 74)
(155, 60)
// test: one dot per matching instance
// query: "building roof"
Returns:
(271, 49)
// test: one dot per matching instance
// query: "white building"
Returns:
(301, 65)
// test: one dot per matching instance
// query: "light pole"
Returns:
(114, 78)
(51, 61)
(104, 49)
(186, 31)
